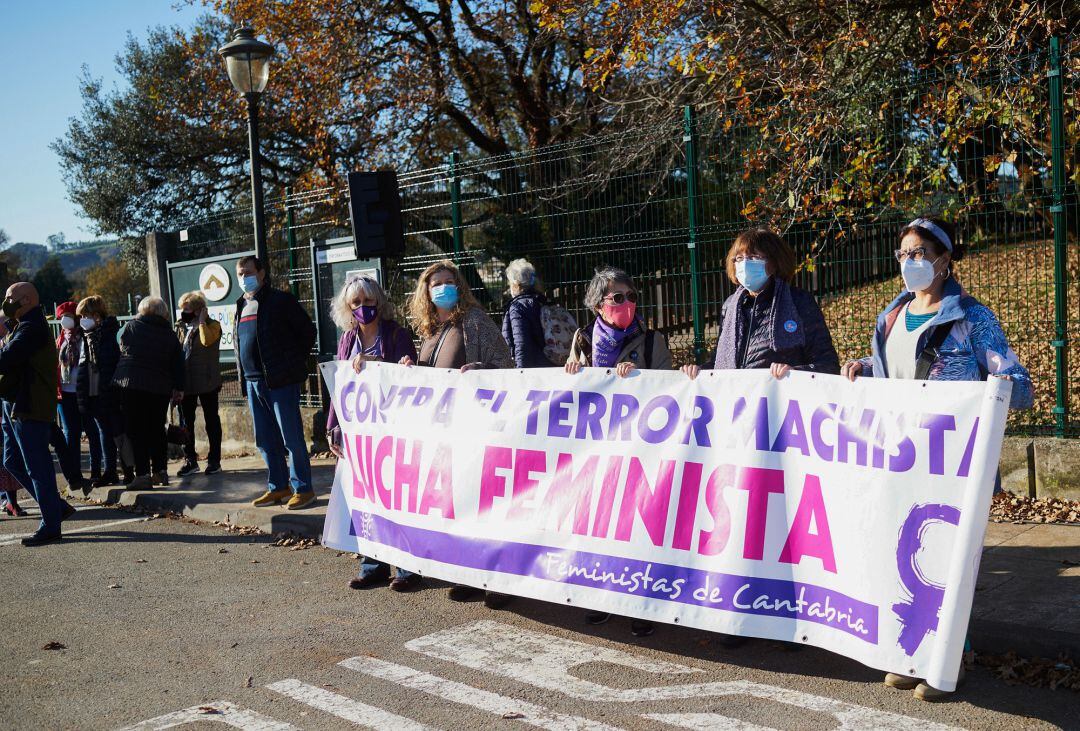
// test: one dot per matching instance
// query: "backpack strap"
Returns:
(649, 338)
(930, 352)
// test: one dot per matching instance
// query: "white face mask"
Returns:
(918, 275)
(67, 322)
(88, 323)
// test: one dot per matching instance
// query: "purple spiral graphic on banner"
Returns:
(918, 613)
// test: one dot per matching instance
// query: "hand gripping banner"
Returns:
(849, 516)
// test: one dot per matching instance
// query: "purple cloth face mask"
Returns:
(365, 314)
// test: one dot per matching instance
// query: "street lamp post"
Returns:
(247, 59)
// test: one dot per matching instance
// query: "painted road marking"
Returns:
(220, 712)
(84, 529)
(705, 722)
(467, 695)
(346, 708)
(544, 661)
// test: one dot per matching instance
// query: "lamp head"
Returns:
(247, 59)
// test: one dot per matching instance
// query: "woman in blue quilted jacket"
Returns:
(934, 312)
(974, 347)
(522, 327)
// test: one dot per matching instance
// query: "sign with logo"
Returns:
(215, 278)
(215, 282)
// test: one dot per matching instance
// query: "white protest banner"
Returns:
(849, 516)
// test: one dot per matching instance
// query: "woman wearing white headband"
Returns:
(934, 330)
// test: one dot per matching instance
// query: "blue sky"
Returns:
(43, 46)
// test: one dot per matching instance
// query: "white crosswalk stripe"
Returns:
(346, 708)
(467, 695)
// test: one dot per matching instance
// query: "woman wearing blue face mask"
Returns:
(936, 331)
(455, 333)
(768, 322)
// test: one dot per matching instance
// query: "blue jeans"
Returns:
(27, 458)
(371, 567)
(279, 428)
(98, 424)
(71, 426)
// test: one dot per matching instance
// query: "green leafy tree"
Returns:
(52, 283)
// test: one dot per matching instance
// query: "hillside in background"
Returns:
(76, 262)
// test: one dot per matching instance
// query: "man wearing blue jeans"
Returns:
(28, 387)
(274, 338)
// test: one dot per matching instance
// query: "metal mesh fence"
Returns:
(635, 199)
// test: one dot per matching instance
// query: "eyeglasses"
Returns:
(744, 257)
(917, 253)
(617, 298)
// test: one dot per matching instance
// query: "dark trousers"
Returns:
(99, 422)
(213, 426)
(144, 424)
(27, 458)
(71, 428)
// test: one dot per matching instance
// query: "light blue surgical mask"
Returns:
(752, 274)
(444, 296)
(249, 283)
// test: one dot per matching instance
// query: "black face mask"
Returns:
(187, 316)
(10, 307)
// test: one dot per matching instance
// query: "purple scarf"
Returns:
(607, 342)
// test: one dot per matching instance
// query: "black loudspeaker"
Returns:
(375, 212)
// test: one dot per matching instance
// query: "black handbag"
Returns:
(176, 433)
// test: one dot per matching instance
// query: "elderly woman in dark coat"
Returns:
(369, 332)
(522, 327)
(150, 374)
(97, 399)
(768, 322)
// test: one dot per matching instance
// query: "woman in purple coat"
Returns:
(362, 310)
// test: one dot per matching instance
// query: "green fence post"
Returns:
(455, 201)
(690, 139)
(290, 236)
(1061, 271)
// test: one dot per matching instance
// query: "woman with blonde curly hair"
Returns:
(456, 333)
(369, 332)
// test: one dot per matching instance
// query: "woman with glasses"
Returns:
(617, 339)
(935, 331)
(768, 322)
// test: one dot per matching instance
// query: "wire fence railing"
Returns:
(665, 202)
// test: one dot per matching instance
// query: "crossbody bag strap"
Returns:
(438, 346)
(930, 353)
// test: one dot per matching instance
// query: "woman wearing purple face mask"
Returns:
(619, 340)
(369, 332)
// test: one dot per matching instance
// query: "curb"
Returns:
(269, 520)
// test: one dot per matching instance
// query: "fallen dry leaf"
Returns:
(54, 645)
(513, 715)
(208, 709)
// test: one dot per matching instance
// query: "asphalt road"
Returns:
(164, 623)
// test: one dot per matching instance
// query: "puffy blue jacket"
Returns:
(523, 330)
(975, 348)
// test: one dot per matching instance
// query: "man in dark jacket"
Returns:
(28, 385)
(274, 337)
